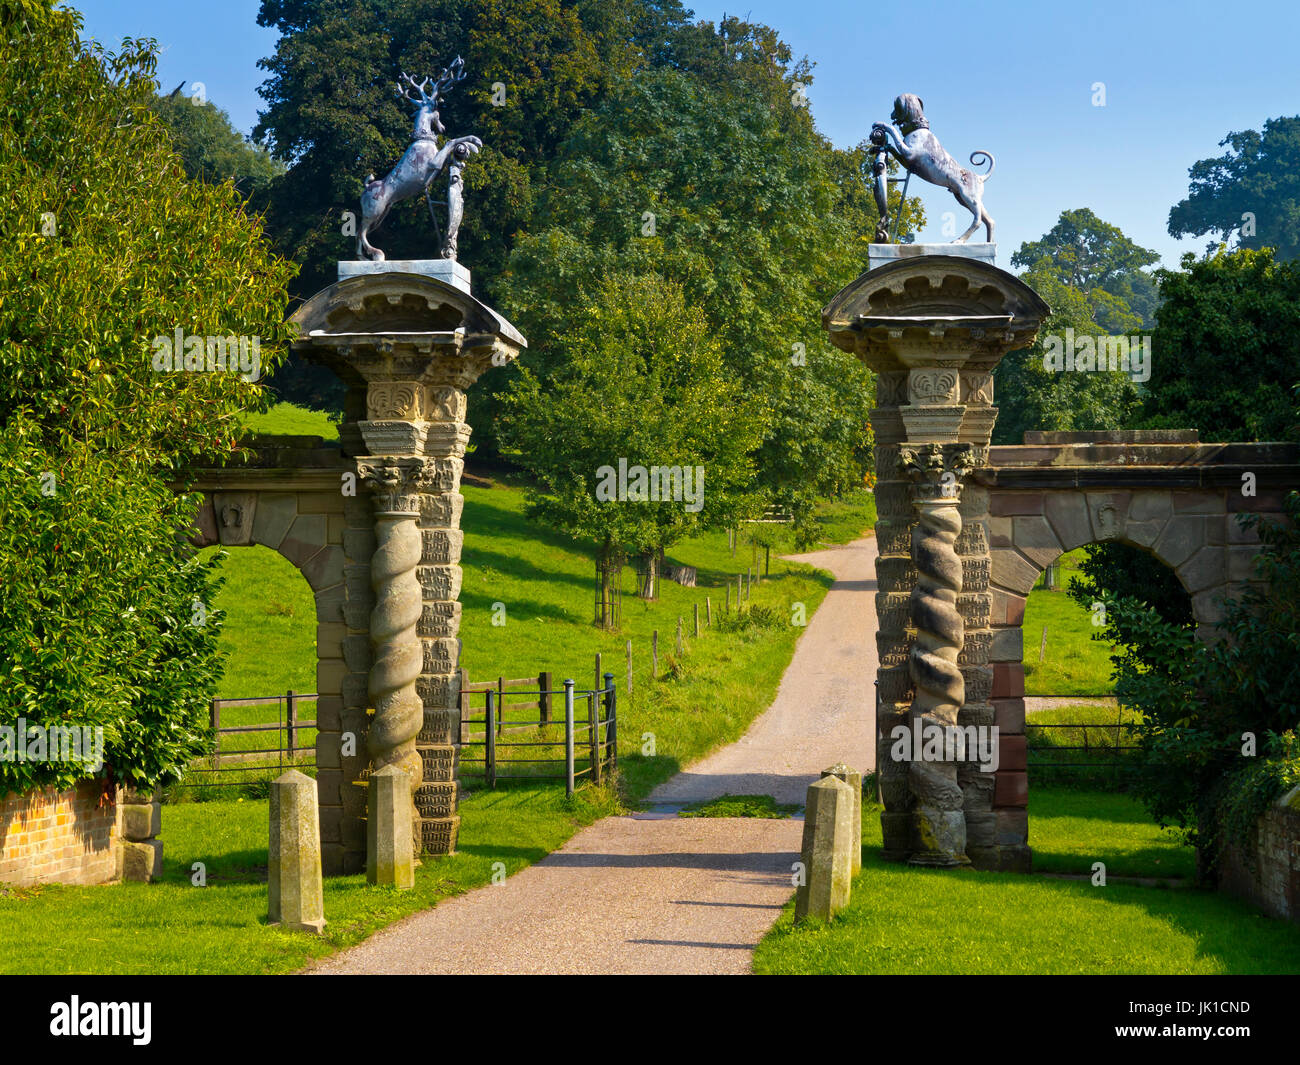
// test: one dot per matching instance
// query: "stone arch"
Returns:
(1163, 493)
(290, 497)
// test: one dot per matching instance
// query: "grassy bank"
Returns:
(912, 920)
(1073, 663)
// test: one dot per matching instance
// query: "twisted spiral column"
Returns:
(939, 824)
(398, 652)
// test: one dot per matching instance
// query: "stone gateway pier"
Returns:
(965, 529)
(375, 527)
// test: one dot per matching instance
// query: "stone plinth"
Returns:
(446, 270)
(884, 254)
(933, 321)
(295, 890)
(409, 346)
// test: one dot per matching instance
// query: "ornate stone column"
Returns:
(932, 324)
(408, 346)
(939, 689)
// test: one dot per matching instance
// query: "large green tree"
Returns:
(643, 384)
(211, 149)
(1226, 349)
(1251, 192)
(107, 246)
(1097, 283)
(726, 187)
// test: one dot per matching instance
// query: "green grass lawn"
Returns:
(289, 420)
(910, 920)
(1074, 663)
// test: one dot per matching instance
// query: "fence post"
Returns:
(629, 667)
(593, 732)
(767, 560)
(654, 655)
(680, 649)
(490, 741)
(291, 722)
(611, 721)
(544, 683)
(216, 733)
(596, 686)
(501, 703)
(696, 608)
(568, 739)
(738, 596)
(463, 701)
(727, 604)
(708, 611)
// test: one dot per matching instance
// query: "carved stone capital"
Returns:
(937, 470)
(398, 481)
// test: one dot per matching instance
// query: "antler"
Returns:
(450, 76)
(419, 87)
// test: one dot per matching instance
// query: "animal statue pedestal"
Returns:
(408, 346)
(883, 254)
(933, 327)
(446, 270)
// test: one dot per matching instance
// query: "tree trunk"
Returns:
(648, 586)
(609, 565)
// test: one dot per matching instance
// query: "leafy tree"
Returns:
(726, 188)
(211, 149)
(1096, 259)
(1251, 192)
(1032, 397)
(101, 609)
(1225, 355)
(1200, 703)
(643, 384)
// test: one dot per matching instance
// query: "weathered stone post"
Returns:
(295, 892)
(409, 341)
(853, 778)
(827, 838)
(390, 860)
(933, 322)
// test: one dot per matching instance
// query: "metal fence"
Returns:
(231, 763)
(1099, 749)
(591, 738)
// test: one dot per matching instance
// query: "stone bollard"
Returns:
(390, 858)
(827, 837)
(140, 853)
(296, 892)
(853, 779)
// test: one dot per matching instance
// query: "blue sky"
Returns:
(1012, 76)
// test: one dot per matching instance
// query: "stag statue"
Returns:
(422, 162)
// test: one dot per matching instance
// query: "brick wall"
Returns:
(1272, 881)
(64, 837)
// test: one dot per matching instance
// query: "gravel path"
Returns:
(654, 893)
(1047, 702)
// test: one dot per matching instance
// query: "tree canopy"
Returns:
(1251, 192)
(106, 246)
